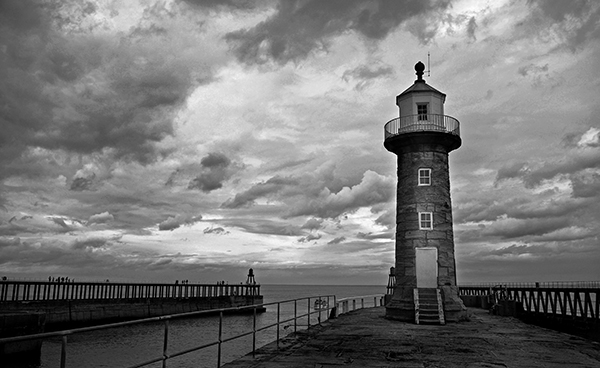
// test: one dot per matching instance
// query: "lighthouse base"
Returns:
(454, 308)
(402, 305)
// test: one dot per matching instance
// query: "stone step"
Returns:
(428, 307)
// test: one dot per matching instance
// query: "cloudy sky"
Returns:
(194, 139)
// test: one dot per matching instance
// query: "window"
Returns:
(425, 220)
(424, 177)
(422, 111)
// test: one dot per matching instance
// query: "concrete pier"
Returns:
(64, 314)
(364, 338)
(19, 324)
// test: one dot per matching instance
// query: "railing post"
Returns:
(165, 344)
(295, 314)
(320, 309)
(278, 319)
(63, 352)
(308, 313)
(336, 306)
(220, 339)
(254, 333)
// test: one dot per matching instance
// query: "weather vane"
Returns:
(428, 68)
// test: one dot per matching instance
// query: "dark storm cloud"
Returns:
(350, 247)
(65, 89)
(338, 240)
(372, 236)
(264, 189)
(101, 218)
(313, 224)
(260, 225)
(92, 243)
(9, 242)
(511, 170)
(371, 191)
(387, 219)
(56, 255)
(215, 230)
(365, 74)
(532, 69)
(551, 170)
(516, 250)
(578, 21)
(516, 228)
(215, 160)
(215, 170)
(174, 222)
(81, 183)
(578, 157)
(309, 238)
(38, 224)
(299, 27)
(230, 4)
(309, 195)
(586, 185)
(471, 28)
(534, 206)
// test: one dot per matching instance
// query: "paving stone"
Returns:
(364, 338)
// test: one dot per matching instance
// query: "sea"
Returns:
(130, 345)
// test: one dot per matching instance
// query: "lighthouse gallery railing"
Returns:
(422, 123)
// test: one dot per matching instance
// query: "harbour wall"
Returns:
(62, 314)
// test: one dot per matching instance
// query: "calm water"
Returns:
(124, 346)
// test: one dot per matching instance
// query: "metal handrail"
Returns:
(422, 123)
(331, 310)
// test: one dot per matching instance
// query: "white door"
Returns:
(427, 267)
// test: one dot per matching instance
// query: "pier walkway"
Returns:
(364, 338)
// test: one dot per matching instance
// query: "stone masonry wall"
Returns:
(413, 199)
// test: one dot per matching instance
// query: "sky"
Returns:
(153, 141)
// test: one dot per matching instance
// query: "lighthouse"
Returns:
(422, 138)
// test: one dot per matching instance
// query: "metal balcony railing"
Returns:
(422, 123)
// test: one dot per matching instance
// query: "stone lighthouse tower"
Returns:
(422, 137)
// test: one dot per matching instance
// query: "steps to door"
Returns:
(428, 306)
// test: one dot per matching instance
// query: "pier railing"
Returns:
(577, 303)
(309, 310)
(546, 284)
(21, 291)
